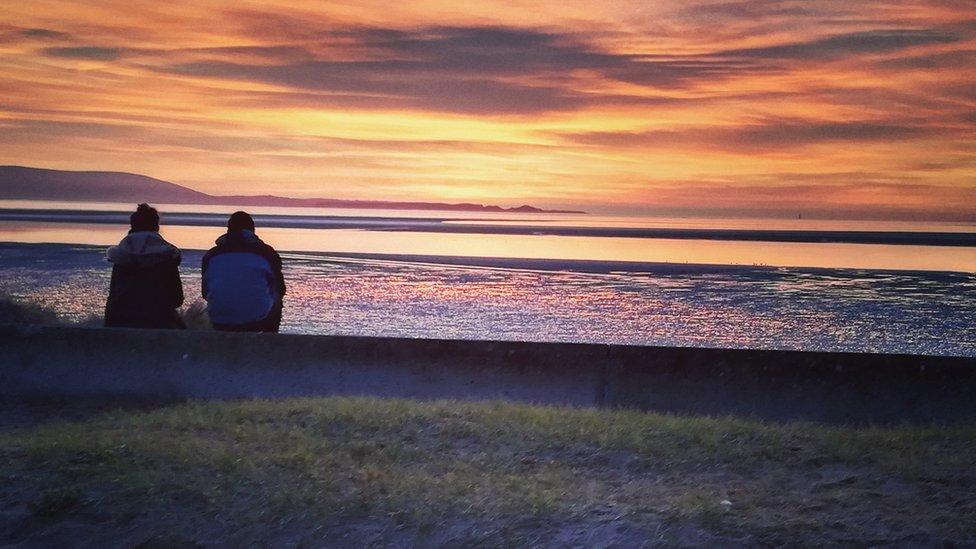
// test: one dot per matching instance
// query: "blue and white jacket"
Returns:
(242, 279)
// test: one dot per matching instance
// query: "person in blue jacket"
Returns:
(242, 280)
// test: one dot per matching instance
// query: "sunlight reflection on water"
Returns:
(933, 313)
(693, 251)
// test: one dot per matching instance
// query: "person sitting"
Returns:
(242, 280)
(145, 291)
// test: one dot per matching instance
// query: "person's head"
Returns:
(145, 218)
(240, 221)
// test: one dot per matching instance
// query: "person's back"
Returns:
(145, 291)
(242, 280)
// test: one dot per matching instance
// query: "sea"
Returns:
(865, 286)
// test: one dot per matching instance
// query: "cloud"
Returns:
(44, 34)
(45, 133)
(95, 53)
(845, 45)
(746, 9)
(505, 70)
(802, 133)
(472, 70)
(147, 135)
(769, 135)
(937, 61)
(10, 34)
(862, 195)
(397, 85)
(684, 73)
(271, 53)
(478, 70)
(480, 50)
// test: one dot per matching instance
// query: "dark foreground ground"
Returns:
(357, 471)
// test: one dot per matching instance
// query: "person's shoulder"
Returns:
(210, 253)
(269, 252)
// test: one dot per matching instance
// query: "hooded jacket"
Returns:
(146, 289)
(242, 279)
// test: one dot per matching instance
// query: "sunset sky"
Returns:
(860, 108)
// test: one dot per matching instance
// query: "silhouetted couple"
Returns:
(242, 280)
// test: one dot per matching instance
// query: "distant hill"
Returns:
(23, 183)
(20, 183)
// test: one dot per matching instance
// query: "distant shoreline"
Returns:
(443, 225)
(26, 183)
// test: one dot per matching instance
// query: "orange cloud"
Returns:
(863, 109)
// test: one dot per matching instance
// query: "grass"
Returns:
(384, 471)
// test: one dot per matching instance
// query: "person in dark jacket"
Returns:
(242, 280)
(146, 290)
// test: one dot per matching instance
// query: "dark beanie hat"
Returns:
(145, 218)
(240, 221)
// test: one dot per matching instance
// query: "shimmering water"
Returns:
(789, 308)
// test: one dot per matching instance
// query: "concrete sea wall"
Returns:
(774, 385)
